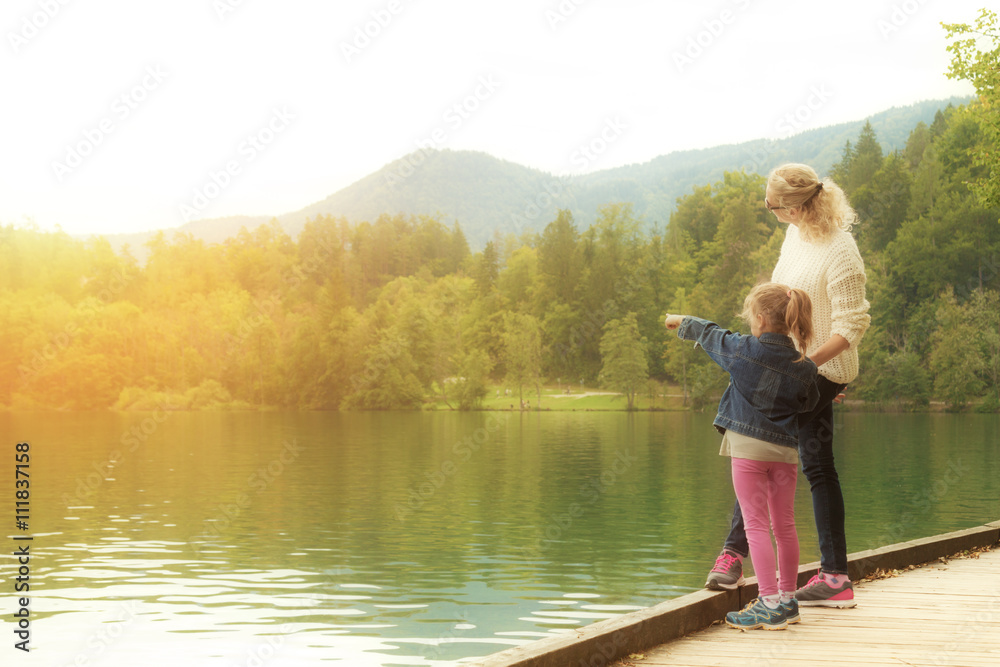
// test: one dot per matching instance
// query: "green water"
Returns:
(413, 538)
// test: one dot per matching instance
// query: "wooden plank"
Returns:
(913, 618)
(808, 649)
(931, 616)
(813, 651)
(814, 658)
(922, 550)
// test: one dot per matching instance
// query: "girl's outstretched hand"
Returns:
(673, 321)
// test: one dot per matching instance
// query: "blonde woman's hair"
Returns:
(786, 310)
(824, 205)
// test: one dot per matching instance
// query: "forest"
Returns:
(398, 312)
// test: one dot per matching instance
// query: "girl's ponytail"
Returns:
(798, 319)
(787, 311)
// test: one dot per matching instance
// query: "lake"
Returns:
(413, 538)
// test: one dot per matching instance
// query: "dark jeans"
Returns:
(816, 456)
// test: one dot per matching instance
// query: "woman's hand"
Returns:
(673, 321)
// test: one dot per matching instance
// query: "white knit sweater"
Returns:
(832, 273)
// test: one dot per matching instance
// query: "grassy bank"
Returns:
(576, 398)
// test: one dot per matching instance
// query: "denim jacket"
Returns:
(768, 388)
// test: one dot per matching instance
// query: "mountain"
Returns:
(478, 190)
(487, 195)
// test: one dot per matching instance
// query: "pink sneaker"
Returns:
(727, 573)
(819, 593)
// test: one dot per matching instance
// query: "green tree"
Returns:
(697, 215)
(981, 67)
(458, 248)
(841, 171)
(559, 259)
(613, 280)
(892, 377)
(985, 309)
(471, 384)
(518, 280)
(730, 269)
(680, 358)
(522, 350)
(882, 203)
(560, 327)
(916, 144)
(623, 351)
(388, 380)
(866, 159)
(955, 356)
(487, 268)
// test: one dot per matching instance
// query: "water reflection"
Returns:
(416, 539)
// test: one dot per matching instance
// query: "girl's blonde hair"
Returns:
(786, 310)
(824, 205)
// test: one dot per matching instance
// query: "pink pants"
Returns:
(766, 491)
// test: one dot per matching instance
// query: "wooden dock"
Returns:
(946, 613)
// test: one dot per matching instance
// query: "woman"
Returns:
(819, 256)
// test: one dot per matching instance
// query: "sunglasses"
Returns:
(775, 208)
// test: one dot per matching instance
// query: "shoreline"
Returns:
(553, 399)
(852, 407)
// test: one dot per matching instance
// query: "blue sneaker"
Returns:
(757, 615)
(791, 609)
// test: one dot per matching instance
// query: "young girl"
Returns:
(771, 383)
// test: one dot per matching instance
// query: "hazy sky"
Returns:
(127, 116)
